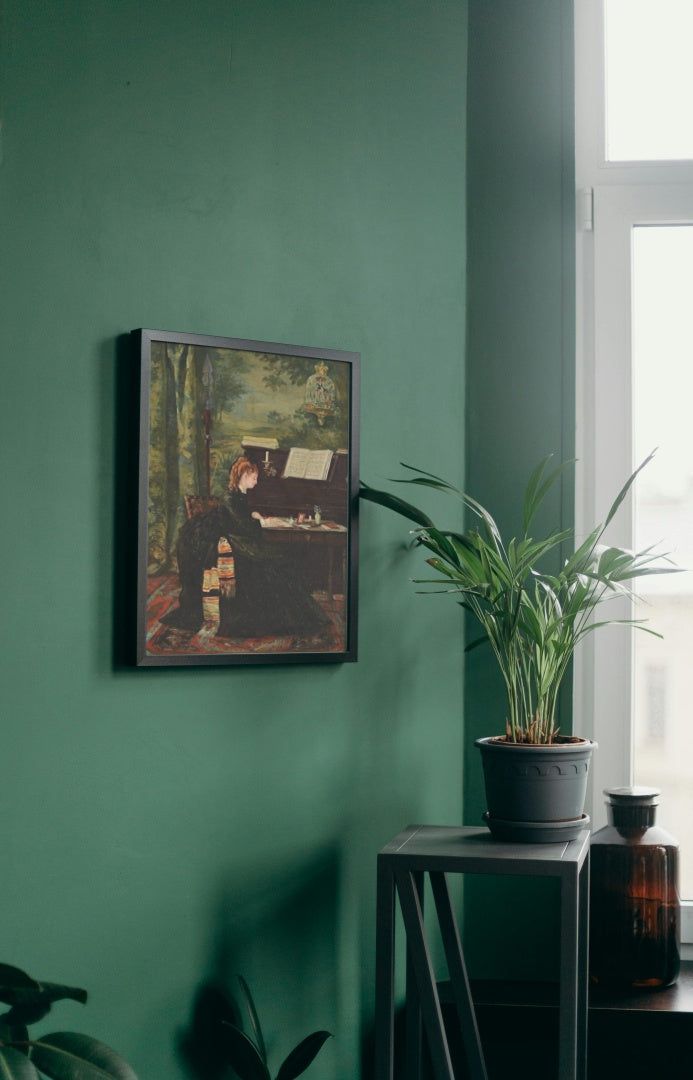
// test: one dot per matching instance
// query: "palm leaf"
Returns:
(532, 631)
(431, 476)
(626, 488)
(583, 555)
(466, 554)
(424, 481)
(536, 490)
(530, 551)
(438, 542)
(481, 512)
(441, 567)
(392, 502)
(477, 641)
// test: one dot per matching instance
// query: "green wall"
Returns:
(279, 171)
(520, 364)
(288, 172)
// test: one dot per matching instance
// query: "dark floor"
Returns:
(644, 1036)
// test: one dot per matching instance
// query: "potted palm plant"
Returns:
(533, 618)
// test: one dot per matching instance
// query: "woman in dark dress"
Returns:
(267, 599)
(196, 551)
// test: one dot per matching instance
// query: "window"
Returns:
(648, 80)
(634, 165)
(650, 710)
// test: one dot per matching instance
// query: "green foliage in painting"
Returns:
(203, 402)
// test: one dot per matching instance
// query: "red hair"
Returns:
(240, 466)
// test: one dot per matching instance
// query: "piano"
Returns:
(322, 548)
(281, 496)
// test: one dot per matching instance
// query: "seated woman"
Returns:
(268, 597)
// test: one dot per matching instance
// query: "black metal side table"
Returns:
(441, 850)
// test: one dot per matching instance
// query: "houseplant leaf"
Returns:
(392, 502)
(13, 978)
(301, 1056)
(532, 618)
(14, 1065)
(537, 487)
(66, 1055)
(625, 489)
(440, 482)
(243, 1055)
(253, 1017)
(201, 1044)
(31, 1000)
(16, 1035)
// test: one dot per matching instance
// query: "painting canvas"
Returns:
(247, 504)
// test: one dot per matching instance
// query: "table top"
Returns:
(290, 524)
(464, 849)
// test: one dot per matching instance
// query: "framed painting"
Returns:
(248, 498)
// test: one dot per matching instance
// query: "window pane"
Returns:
(663, 418)
(649, 80)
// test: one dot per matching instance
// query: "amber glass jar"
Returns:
(635, 919)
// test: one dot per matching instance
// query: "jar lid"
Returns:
(632, 796)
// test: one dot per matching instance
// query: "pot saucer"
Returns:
(535, 832)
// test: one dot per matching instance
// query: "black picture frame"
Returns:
(278, 584)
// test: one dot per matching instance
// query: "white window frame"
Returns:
(611, 197)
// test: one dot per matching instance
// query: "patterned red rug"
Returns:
(162, 594)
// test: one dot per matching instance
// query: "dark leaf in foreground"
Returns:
(243, 1055)
(15, 1066)
(66, 1055)
(253, 1017)
(31, 1000)
(301, 1056)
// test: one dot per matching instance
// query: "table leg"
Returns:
(412, 1067)
(568, 984)
(425, 978)
(458, 977)
(583, 968)
(384, 971)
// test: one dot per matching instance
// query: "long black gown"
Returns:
(269, 599)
